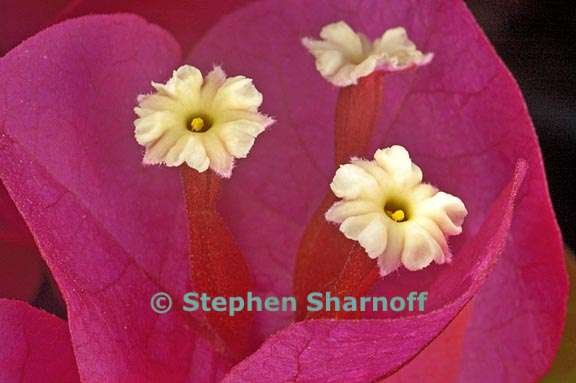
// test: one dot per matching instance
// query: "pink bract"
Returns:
(186, 20)
(35, 346)
(113, 232)
(20, 265)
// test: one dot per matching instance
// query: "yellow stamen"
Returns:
(397, 215)
(197, 124)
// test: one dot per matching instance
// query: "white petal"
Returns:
(237, 142)
(156, 153)
(344, 76)
(394, 243)
(188, 149)
(195, 155)
(328, 58)
(436, 233)
(238, 136)
(396, 161)
(351, 181)
(353, 226)
(343, 56)
(420, 249)
(187, 81)
(151, 127)
(248, 127)
(237, 93)
(175, 157)
(364, 68)
(373, 238)
(377, 172)
(422, 192)
(214, 80)
(341, 35)
(393, 40)
(446, 210)
(226, 116)
(221, 161)
(344, 209)
(152, 103)
(397, 52)
(165, 90)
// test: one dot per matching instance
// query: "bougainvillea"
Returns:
(114, 232)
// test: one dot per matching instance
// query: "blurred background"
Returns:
(536, 39)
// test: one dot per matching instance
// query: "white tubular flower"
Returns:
(392, 214)
(203, 122)
(343, 56)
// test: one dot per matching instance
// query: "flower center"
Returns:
(199, 124)
(396, 211)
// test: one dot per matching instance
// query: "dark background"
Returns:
(537, 40)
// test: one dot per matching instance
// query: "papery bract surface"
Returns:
(69, 161)
(186, 20)
(112, 232)
(35, 346)
(465, 122)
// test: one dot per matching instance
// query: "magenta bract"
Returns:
(113, 232)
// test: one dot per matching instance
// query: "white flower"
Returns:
(392, 214)
(203, 122)
(343, 56)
